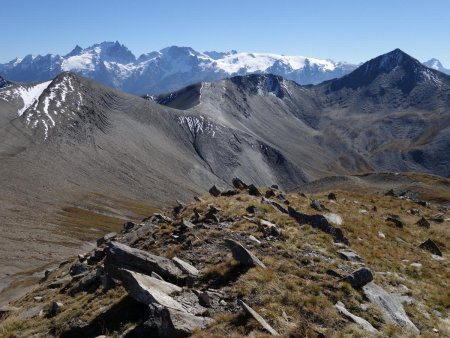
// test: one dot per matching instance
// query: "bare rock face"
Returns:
(122, 256)
(258, 318)
(391, 307)
(431, 246)
(242, 255)
(176, 324)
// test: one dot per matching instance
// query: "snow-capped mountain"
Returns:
(169, 69)
(436, 64)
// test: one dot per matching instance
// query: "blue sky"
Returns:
(350, 30)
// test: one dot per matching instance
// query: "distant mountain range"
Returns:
(169, 69)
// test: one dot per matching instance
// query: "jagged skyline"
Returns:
(351, 33)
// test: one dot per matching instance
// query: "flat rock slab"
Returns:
(258, 318)
(186, 267)
(123, 256)
(350, 256)
(149, 290)
(358, 320)
(242, 255)
(391, 306)
(181, 324)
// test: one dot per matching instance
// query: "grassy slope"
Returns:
(296, 283)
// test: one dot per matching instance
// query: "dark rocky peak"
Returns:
(76, 51)
(398, 69)
(260, 84)
(112, 51)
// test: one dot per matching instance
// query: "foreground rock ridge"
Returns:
(254, 261)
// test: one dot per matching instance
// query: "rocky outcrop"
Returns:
(123, 256)
(319, 222)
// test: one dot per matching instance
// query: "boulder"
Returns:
(87, 281)
(175, 324)
(122, 256)
(359, 278)
(214, 191)
(78, 268)
(253, 190)
(423, 223)
(239, 184)
(198, 199)
(268, 228)
(185, 225)
(315, 204)
(358, 320)
(107, 238)
(242, 255)
(349, 255)
(332, 196)
(149, 290)
(269, 193)
(391, 306)
(415, 212)
(128, 226)
(431, 246)
(55, 308)
(178, 208)
(186, 267)
(258, 318)
(230, 192)
(60, 283)
(254, 210)
(319, 222)
(396, 220)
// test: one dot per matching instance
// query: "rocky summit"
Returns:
(256, 261)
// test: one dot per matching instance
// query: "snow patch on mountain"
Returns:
(198, 125)
(260, 62)
(28, 94)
